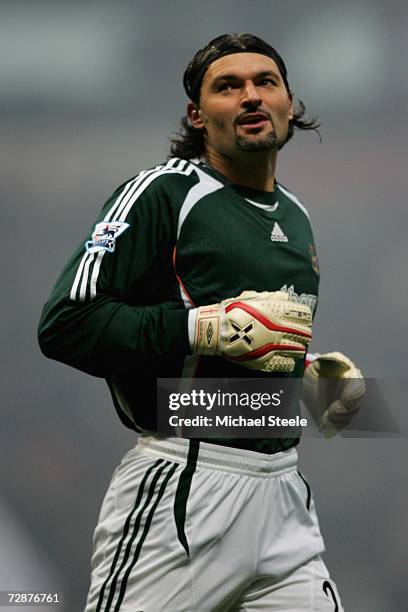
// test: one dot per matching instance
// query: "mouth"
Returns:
(253, 120)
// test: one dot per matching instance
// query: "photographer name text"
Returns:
(238, 421)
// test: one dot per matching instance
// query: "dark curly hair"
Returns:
(189, 141)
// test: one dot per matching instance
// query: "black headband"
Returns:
(227, 44)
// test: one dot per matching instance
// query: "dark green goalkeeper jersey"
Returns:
(174, 237)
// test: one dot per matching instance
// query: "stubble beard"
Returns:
(266, 143)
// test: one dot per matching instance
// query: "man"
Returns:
(205, 264)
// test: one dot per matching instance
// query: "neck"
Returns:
(255, 169)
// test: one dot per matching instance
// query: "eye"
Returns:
(268, 82)
(225, 87)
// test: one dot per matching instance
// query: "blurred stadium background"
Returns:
(90, 93)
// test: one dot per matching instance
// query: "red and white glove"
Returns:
(264, 331)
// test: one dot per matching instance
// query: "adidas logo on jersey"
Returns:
(277, 235)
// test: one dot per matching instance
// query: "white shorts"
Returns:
(189, 526)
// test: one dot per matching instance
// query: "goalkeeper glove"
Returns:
(262, 331)
(333, 405)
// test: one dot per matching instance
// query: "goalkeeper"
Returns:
(205, 265)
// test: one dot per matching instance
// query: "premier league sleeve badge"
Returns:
(104, 236)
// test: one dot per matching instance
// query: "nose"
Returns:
(250, 95)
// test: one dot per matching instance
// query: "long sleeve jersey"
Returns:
(175, 237)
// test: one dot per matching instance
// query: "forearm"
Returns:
(107, 336)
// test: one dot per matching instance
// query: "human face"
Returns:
(244, 105)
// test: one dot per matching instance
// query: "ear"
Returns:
(194, 114)
(291, 109)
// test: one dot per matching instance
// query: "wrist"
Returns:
(310, 357)
(192, 321)
(207, 330)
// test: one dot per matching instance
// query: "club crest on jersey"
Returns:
(104, 236)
